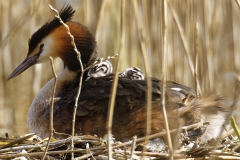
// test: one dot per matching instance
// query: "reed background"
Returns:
(217, 45)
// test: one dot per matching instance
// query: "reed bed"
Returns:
(194, 43)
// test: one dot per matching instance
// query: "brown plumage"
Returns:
(129, 113)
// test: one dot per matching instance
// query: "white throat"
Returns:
(41, 101)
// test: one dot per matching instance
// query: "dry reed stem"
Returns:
(146, 27)
(13, 31)
(51, 107)
(100, 18)
(183, 38)
(179, 131)
(80, 82)
(115, 81)
(142, 39)
(164, 78)
(235, 38)
(238, 3)
(196, 50)
(224, 153)
(209, 45)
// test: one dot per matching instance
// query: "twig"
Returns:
(230, 132)
(115, 81)
(155, 154)
(52, 144)
(112, 57)
(142, 39)
(48, 153)
(17, 141)
(133, 146)
(88, 155)
(100, 18)
(82, 72)
(51, 107)
(88, 150)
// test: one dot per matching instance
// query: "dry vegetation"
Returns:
(214, 44)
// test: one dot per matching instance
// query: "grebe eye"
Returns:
(41, 46)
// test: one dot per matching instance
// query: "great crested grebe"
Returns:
(133, 73)
(129, 113)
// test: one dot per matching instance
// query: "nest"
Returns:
(31, 146)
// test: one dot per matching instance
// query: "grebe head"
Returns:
(52, 40)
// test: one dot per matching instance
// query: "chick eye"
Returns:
(41, 46)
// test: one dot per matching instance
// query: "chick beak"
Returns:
(28, 62)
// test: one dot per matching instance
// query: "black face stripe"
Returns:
(137, 69)
(137, 76)
(66, 14)
(134, 73)
(40, 51)
(105, 68)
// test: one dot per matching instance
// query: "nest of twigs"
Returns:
(30, 146)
